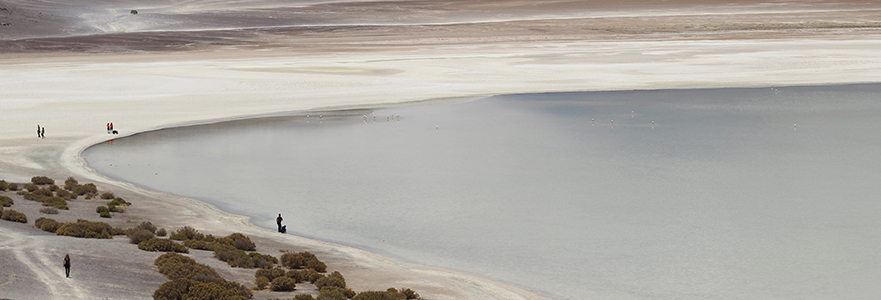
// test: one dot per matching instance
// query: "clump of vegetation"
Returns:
(334, 279)
(6, 201)
(105, 214)
(270, 274)
(70, 184)
(283, 284)
(107, 196)
(138, 235)
(56, 202)
(261, 282)
(49, 210)
(14, 216)
(3, 185)
(12, 186)
(164, 245)
(88, 190)
(87, 229)
(307, 275)
(390, 294)
(187, 233)
(161, 232)
(42, 180)
(47, 224)
(118, 205)
(191, 280)
(303, 260)
(30, 187)
(240, 259)
(64, 194)
(147, 225)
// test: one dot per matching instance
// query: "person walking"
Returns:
(278, 221)
(67, 265)
(43, 133)
(38, 131)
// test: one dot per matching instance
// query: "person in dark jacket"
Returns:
(67, 265)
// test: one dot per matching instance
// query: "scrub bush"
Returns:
(187, 233)
(88, 189)
(14, 216)
(303, 259)
(6, 201)
(261, 282)
(56, 202)
(164, 245)
(105, 214)
(332, 293)
(86, 229)
(107, 196)
(390, 294)
(334, 279)
(270, 274)
(49, 210)
(101, 209)
(53, 188)
(46, 224)
(147, 226)
(12, 186)
(161, 232)
(139, 235)
(187, 275)
(283, 284)
(304, 275)
(64, 194)
(70, 184)
(3, 185)
(41, 180)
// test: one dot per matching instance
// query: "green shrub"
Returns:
(147, 226)
(301, 260)
(186, 274)
(53, 188)
(164, 245)
(86, 229)
(12, 186)
(64, 194)
(334, 279)
(70, 184)
(41, 180)
(30, 187)
(88, 189)
(199, 245)
(304, 275)
(187, 233)
(261, 282)
(161, 232)
(283, 284)
(263, 261)
(6, 201)
(332, 293)
(107, 196)
(47, 224)
(56, 202)
(105, 214)
(119, 202)
(49, 210)
(14, 216)
(101, 209)
(3, 185)
(390, 294)
(139, 235)
(270, 273)
(173, 290)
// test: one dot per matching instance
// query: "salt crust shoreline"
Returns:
(75, 95)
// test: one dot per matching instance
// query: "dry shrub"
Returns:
(46, 224)
(64, 194)
(138, 235)
(333, 293)
(56, 202)
(161, 232)
(3, 185)
(41, 180)
(14, 216)
(70, 184)
(88, 190)
(283, 284)
(303, 260)
(6, 201)
(86, 229)
(270, 273)
(49, 210)
(304, 275)
(107, 196)
(12, 186)
(334, 279)
(187, 233)
(191, 280)
(261, 282)
(241, 242)
(164, 245)
(390, 294)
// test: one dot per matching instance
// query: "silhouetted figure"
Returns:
(278, 221)
(43, 133)
(67, 265)
(38, 131)
(284, 229)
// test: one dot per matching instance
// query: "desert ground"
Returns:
(73, 66)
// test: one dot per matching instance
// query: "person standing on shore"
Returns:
(38, 131)
(43, 133)
(67, 265)
(278, 221)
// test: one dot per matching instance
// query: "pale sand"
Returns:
(180, 64)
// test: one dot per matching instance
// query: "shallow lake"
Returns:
(737, 193)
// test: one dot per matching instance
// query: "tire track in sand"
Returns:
(30, 251)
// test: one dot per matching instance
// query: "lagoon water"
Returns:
(724, 197)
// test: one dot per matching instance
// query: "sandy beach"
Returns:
(73, 67)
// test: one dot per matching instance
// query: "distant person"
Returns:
(108, 128)
(278, 221)
(38, 131)
(67, 265)
(111, 125)
(43, 133)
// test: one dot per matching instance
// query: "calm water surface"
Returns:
(725, 197)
